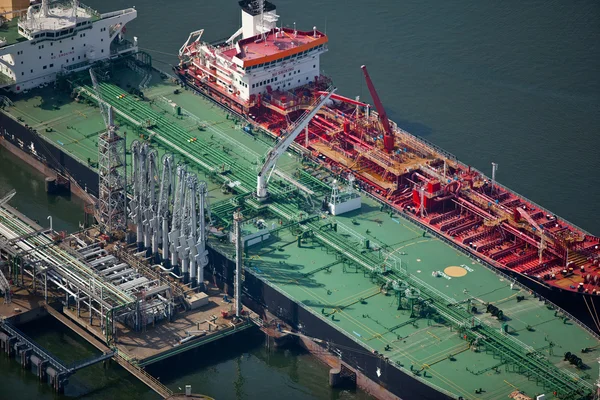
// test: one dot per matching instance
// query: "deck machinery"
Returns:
(271, 75)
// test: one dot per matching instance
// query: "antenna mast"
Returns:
(261, 6)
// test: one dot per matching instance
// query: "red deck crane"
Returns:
(388, 137)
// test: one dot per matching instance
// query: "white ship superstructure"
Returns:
(268, 59)
(59, 37)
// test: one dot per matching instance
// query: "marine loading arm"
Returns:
(286, 140)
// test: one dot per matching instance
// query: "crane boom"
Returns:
(105, 109)
(388, 138)
(284, 143)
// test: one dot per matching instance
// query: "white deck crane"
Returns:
(286, 140)
(105, 109)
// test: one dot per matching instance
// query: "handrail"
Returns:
(54, 361)
(489, 266)
(359, 343)
(117, 13)
(155, 384)
(451, 156)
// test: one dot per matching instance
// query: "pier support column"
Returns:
(335, 377)
(52, 376)
(25, 354)
(3, 342)
(342, 377)
(40, 366)
(9, 345)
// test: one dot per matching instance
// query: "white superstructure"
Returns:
(267, 59)
(59, 37)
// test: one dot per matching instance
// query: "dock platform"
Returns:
(38, 260)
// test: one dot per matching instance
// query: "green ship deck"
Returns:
(351, 270)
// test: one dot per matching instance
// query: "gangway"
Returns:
(76, 366)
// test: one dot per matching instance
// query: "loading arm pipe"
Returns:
(284, 143)
(388, 138)
(104, 108)
(7, 198)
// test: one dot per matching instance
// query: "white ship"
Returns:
(50, 38)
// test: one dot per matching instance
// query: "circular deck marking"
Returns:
(455, 272)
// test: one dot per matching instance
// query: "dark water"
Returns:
(31, 198)
(515, 82)
(238, 368)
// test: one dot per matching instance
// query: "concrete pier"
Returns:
(101, 303)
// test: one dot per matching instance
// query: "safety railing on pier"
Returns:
(142, 375)
(56, 363)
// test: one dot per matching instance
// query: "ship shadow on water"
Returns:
(240, 347)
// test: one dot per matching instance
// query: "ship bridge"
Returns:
(267, 58)
(276, 45)
(57, 21)
(58, 37)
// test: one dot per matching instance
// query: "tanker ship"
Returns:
(271, 76)
(383, 255)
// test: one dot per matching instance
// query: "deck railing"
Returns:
(346, 334)
(489, 266)
(451, 156)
